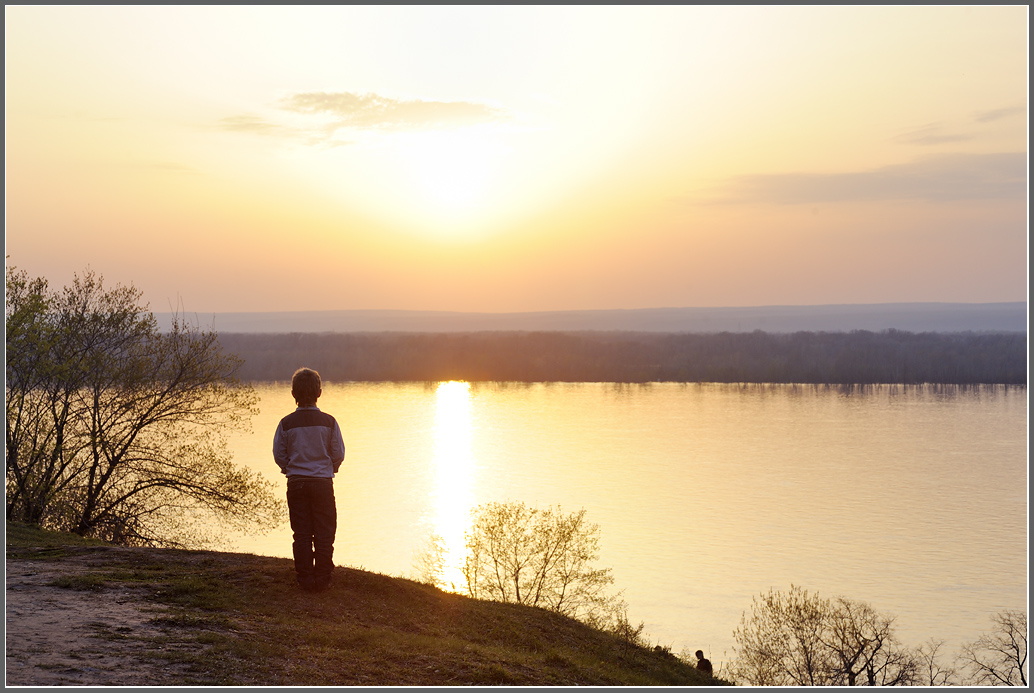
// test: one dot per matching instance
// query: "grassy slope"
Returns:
(238, 619)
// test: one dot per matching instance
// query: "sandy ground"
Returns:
(65, 637)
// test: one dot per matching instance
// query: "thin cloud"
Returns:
(931, 135)
(319, 136)
(165, 167)
(936, 178)
(83, 116)
(998, 114)
(371, 111)
(250, 124)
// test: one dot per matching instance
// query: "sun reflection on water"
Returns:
(453, 476)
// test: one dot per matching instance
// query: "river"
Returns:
(913, 499)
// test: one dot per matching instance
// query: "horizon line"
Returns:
(601, 310)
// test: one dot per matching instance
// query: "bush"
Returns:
(539, 558)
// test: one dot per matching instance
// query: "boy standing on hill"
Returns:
(308, 448)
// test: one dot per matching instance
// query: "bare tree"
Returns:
(801, 639)
(429, 561)
(29, 433)
(537, 557)
(999, 658)
(114, 428)
(931, 671)
(863, 645)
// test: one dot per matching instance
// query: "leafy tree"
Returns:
(540, 558)
(999, 658)
(115, 428)
(781, 642)
(800, 639)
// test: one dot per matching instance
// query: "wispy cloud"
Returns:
(937, 178)
(319, 135)
(251, 124)
(324, 114)
(366, 111)
(998, 114)
(83, 116)
(930, 135)
(165, 167)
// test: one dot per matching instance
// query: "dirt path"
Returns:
(58, 636)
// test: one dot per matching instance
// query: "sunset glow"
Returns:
(520, 158)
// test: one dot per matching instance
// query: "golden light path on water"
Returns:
(453, 476)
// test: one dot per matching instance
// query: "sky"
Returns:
(502, 159)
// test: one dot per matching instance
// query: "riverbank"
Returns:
(85, 613)
(824, 358)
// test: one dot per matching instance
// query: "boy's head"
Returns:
(306, 387)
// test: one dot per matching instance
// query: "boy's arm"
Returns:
(280, 448)
(337, 447)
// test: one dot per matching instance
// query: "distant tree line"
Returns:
(859, 357)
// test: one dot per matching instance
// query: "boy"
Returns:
(308, 448)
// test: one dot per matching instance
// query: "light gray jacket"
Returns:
(308, 443)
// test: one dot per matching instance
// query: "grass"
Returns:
(92, 583)
(44, 543)
(238, 619)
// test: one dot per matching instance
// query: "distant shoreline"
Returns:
(876, 317)
(854, 358)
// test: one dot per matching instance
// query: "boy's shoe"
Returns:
(322, 583)
(307, 583)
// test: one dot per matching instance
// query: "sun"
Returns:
(445, 184)
(453, 171)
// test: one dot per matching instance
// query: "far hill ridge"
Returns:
(911, 317)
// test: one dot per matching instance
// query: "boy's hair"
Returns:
(306, 385)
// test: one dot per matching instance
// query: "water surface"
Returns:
(911, 498)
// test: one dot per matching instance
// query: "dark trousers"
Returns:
(313, 512)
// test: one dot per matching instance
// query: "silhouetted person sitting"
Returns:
(704, 664)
